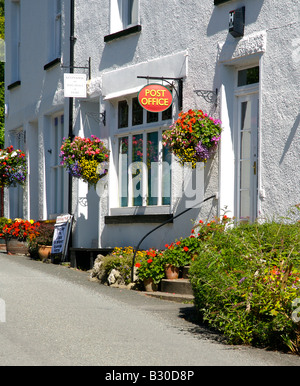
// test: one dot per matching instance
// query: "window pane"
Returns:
(248, 76)
(123, 171)
(137, 112)
(122, 114)
(137, 170)
(152, 167)
(167, 114)
(152, 117)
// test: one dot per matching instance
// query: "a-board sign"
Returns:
(155, 98)
(62, 229)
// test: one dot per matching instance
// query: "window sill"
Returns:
(123, 33)
(51, 64)
(218, 2)
(14, 85)
(138, 219)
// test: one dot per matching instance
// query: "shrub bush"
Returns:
(245, 280)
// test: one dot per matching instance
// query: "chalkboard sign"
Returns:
(62, 230)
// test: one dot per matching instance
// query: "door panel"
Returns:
(247, 122)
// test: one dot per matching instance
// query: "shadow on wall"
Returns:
(219, 20)
(117, 54)
(290, 138)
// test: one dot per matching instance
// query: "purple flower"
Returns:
(202, 152)
(215, 140)
(75, 170)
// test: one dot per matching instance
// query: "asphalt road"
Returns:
(54, 316)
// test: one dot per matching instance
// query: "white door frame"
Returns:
(246, 160)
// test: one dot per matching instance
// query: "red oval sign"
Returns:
(155, 98)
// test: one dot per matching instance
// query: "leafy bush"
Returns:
(150, 265)
(245, 280)
(120, 259)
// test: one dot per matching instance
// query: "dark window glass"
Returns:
(152, 117)
(137, 112)
(122, 114)
(248, 76)
(167, 114)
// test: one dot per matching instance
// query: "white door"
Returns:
(247, 156)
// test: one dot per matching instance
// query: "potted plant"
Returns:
(150, 270)
(43, 240)
(193, 137)
(175, 256)
(13, 167)
(85, 158)
(18, 233)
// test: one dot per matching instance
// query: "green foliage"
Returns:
(151, 265)
(121, 260)
(245, 280)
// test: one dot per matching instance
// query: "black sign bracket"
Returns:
(178, 90)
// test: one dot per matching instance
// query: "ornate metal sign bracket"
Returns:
(208, 96)
(179, 91)
(98, 117)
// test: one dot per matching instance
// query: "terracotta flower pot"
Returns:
(149, 285)
(44, 251)
(171, 272)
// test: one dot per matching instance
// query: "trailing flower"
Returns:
(85, 158)
(13, 167)
(194, 137)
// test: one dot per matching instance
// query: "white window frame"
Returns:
(130, 131)
(120, 17)
(58, 175)
(55, 29)
(15, 40)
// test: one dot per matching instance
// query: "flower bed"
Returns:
(13, 167)
(193, 137)
(85, 158)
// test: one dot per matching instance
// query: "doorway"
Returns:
(247, 125)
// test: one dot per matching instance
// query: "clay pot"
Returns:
(44, 251)
(171, 272)
(149, 285)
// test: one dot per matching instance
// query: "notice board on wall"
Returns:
(61, 236)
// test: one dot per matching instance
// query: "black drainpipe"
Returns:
(71, 101)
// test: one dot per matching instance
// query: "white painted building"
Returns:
(250, 82)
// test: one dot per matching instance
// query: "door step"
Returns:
(179, 290)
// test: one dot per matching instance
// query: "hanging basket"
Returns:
(85, 158)
(193, 137)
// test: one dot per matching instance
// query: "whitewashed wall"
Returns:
(194, 34)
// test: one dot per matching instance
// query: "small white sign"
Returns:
(75, 85)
